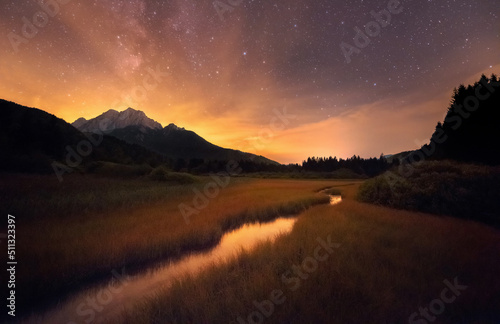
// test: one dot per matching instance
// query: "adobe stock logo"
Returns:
(372, 29)
(293, 279)
(437, 306)
(40, 19)
(222, 7)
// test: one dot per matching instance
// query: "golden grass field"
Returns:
(67, 246)
(389, 263)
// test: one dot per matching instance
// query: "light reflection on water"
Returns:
(335, 199)
(109, 301)
(118, 297)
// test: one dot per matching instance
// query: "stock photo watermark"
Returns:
(463, 111)
(279, 122)
(437, 306)
(293, 279)
(372, 29)
(75, 155)
(11, 264)
(221, 180)
(211, 190)
(222, 7)
(90, 309)
(31, 27)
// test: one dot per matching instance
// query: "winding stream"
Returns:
(96, 304)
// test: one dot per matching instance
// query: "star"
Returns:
(103, 52)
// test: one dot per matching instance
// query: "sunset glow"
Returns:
(179, 62)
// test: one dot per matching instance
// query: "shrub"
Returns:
(163, 174)
(445, 187)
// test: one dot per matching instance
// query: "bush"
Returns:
(163, 174)
(445, 187)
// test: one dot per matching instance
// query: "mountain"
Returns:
(79, 122)
(113, 119)
(175, 142)
(31, 140)
(171, 141)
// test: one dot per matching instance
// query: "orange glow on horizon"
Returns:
(224, 81)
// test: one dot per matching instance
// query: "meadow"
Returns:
(350, 263)
(385, 266)
(75, 233)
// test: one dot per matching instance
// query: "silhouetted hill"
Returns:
(79, 122)
(397, 157)
(32, 139)
(135, 127)
(471, 130)
(175, 142)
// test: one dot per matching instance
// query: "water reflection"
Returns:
(335, 199)
(121, 296)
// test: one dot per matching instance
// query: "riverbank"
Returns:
(85, 246)
(103, 304)
(439, 187)
(384, 265)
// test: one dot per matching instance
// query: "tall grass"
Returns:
(75, 233)
(389, 263)
(44, 197)
(440, 187)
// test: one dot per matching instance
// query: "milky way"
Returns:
(357, 77)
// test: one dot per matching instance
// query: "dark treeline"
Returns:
(359, 166)
(470, 131)
(370, 167)
(204, 166)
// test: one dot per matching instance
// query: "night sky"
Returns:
(223, 69)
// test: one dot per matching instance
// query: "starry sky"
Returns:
(286, 79)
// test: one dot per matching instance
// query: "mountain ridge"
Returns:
(32, 140)
(171, 141)
(113, 119)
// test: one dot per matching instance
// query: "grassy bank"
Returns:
(439, 187)
(74, 233)
(44, 197)
(389, 263)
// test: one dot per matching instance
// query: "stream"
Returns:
(95, 305)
